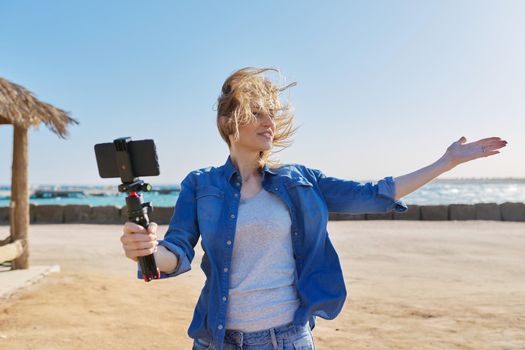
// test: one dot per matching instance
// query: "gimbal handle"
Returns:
(138, 213)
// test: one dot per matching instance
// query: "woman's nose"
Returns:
(268, 121)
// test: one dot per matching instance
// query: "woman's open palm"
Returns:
(461, 152)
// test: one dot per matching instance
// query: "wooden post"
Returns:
(20, 195)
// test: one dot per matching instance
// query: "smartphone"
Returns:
(142, 153)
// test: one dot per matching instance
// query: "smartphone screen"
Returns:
(143, 155)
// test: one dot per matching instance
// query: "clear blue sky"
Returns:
(384, 87)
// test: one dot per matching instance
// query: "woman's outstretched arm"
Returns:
(457, 153)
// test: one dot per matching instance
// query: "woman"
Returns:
(269, 263)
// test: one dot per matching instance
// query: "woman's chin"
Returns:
(267, 147)
(264, 146)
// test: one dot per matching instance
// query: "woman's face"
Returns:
(258, 135)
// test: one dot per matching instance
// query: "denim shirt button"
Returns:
(223, 298)
(277, 188)
(295, 233)
(236, 195)
(225, 269)
(229, 242)
(232, 216)
(220, 326)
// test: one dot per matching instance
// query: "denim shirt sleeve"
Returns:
(183, 233)
(351, 197)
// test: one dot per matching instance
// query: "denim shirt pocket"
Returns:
(306, 199)
(301, 192)
(210, 200)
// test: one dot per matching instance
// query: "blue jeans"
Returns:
(286, 337)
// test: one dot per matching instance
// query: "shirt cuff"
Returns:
(386, 188)
(183, 264)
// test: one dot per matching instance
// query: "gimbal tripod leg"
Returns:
(138, 213)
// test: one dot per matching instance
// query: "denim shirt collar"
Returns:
(229, 169)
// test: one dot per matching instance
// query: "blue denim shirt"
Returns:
(207, 207)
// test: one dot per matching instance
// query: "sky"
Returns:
(383, 87)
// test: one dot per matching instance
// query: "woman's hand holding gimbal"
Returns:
(137, 241)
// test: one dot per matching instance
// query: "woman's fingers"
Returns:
(131, 227)
(491, 141)
(134, 250)
(152, 228)
(461, 152)
(135, 254)
(137, 237)
(489, 148)
(484, 147)
(494, 138)
(137, 233)
(140, 245)
(137, 241)
(493, 147)
(494, 142)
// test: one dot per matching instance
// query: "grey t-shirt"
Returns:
(262, 281)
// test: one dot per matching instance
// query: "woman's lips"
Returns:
(266, 135)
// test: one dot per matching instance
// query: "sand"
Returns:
(411, 285)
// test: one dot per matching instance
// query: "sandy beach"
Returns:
(411, 285)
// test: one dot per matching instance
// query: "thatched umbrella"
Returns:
(21, 109)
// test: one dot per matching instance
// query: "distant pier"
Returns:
(58, 194)
(78, 193)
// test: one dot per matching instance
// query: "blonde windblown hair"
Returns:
(244, 89)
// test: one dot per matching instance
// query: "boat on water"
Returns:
(57, 194)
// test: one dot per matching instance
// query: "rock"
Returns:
(162, 215)
(413, 213)
(77, 213)
(4, 215)
(32, 213)
(434, 212)
(512, 211)
(462, 212)
(344, 216)
(379, 216)
(108, 214)
(49, 214)
(488, 211)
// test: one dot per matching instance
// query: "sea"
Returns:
(436, 192)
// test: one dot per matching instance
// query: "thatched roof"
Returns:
(19, 107)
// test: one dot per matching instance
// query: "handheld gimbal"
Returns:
(129, 159)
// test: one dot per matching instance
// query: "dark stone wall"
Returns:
(488, 211)
(512, 211)
(507, 211)
(4, 215)
(53, 214)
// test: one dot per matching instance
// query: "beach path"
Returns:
(411, 285)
